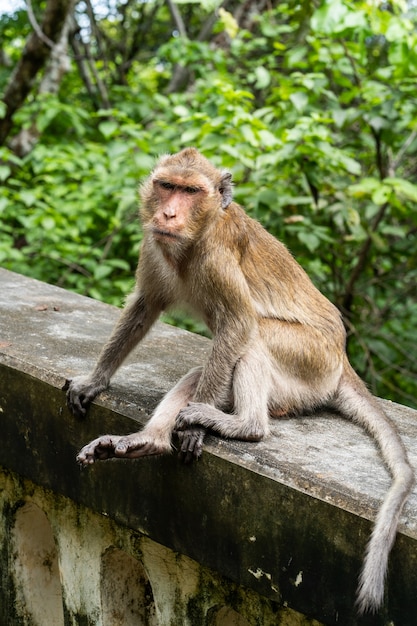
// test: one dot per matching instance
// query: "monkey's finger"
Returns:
(85, 458)
(76, 402)
(98, 450)
(191, 441)
(79, 398)
(76, 407)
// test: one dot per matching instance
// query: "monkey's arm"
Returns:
(233, 321)
(229, 310)
(135, 321)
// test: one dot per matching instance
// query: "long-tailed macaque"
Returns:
(278, 343)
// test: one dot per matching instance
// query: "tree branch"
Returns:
(176, 16)
(58, 64)
(34, 23)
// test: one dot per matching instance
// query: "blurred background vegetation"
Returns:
(311, 105)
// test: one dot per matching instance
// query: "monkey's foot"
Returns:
(121, 447)
(191, 444)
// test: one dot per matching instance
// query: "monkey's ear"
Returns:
(226, 189)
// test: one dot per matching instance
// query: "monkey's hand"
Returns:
(122, 447)
(191, 444)
(190, 435)
(80, 392)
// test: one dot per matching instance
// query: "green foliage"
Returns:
(313, 110)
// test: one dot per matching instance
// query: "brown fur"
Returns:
(278, 343)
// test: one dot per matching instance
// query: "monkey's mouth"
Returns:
(165, 234)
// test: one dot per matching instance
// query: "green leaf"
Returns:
(378, 123)
(299, 100)
(189, 136)
(263, 77)
(403, 187)
(334, 16)
(339, 116)
(329, 16)
(108, 128)
(366, 187)
(249, 135)
(310, 240)
(382, 194)
(27, 197)
(268, 139)
(48, 223)
(267, 197)
(227, 20)
(102, 271)
(295, 56)
(5, 172)
(181, 110)
(352, 166)
(398, 29)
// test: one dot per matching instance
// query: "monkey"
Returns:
(279, 345)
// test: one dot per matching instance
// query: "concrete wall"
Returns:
(64, 564)
(258, 534)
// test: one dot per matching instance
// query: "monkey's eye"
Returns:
(166, 185)
(191, 190)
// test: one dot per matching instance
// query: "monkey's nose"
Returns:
(170, 213)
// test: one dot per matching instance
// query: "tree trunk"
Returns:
(37, 51)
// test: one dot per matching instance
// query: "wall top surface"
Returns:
(53, 334)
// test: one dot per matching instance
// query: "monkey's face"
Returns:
(182, 197)
(180, 206)
(177, 208)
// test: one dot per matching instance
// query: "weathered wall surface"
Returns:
(64, 564)
(255, 534)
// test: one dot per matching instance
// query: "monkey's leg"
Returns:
(251, 393)
(155, 438)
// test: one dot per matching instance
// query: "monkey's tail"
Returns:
(354, 401)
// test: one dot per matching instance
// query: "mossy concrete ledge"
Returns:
(276, 530)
